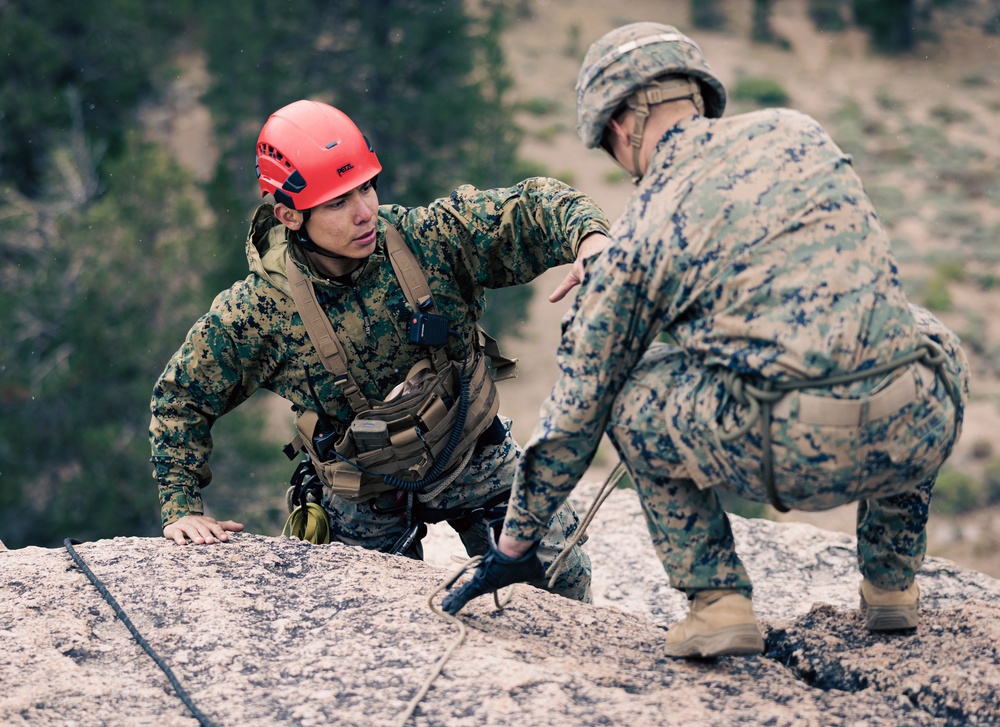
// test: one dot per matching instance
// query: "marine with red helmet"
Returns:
(327, 234)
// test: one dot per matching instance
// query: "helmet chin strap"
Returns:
(638, 127)
(657, 92)
(301, 238)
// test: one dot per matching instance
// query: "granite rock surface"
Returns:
(270, 630)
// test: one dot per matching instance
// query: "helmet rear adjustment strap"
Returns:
(675, 89)
(657, 92)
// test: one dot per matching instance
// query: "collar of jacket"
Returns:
(674, 141)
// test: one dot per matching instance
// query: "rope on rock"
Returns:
(462, 631)
(102, 589)
(310, 524)
(551, 573)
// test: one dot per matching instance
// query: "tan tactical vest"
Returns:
(397, 443)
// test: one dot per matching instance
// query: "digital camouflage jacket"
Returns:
(751, 242)
(253, 337)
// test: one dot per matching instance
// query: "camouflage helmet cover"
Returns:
(628, 58)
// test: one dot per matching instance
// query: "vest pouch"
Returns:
(345, 481)
(341, 478)
(433, 411)
(419, 414)
(404, 436)
(484, 404)
(369, 434)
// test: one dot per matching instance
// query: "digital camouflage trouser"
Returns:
(887, 465)
(490, 472)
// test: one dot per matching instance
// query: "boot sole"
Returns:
(743, 640)
(891, 618)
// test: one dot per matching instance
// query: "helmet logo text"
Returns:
(346, 168)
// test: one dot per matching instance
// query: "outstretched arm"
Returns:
(591, 245)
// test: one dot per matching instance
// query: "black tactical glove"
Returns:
(495, 571)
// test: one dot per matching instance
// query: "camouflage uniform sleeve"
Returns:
(509, 236)
(203, 380)
(614, 322)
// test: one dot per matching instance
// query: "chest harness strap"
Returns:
(761, 399)
(411, 440)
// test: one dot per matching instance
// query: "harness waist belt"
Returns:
(825, 410)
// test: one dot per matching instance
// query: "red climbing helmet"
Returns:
(309, 152)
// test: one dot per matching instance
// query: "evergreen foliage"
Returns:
(110, 250)
(891, 23)
(708, 14)
(828, 15)
(94, 298)
(762, 92)
(106, 52)
(424, 81)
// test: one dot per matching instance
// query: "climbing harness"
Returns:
(102, 589)
(417, 516)
(762, 399)
(308, 520)
(416, 437)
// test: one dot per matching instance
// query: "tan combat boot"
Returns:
(721, 622)
(890, 610)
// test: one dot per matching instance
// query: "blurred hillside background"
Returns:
(126, 183)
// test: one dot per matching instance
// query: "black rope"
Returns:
(202, 719)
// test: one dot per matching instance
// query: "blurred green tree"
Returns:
(891, 23)
(828, 15)
(108, 253)
(424, 81)
(94, 297)
(760, 25)
(708, 14)
(107, 52)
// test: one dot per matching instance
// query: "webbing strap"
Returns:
(324, 338)
(407, 270)
(674, 89)
(503, 368)
(657, 92)
(761, 399)
(464, 517)
(418, 295)
(414, 283)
